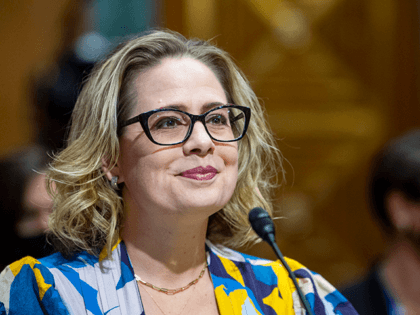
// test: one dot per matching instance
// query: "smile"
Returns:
(200, 173)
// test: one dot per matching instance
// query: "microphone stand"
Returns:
(273, 244)
(263, 225)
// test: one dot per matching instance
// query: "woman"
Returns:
(159, 174)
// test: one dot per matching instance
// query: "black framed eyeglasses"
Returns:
(167, 126)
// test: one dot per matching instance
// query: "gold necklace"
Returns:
(171, 291)
(154, 301)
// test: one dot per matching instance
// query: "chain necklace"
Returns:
(157, 304)
(171, 291)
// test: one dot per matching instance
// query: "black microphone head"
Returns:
(262, 224)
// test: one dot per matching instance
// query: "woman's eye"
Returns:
(217, 120)
(168, 122)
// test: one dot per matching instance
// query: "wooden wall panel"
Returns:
(337, 78)
(31, 34)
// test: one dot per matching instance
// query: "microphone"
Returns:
(263, 225)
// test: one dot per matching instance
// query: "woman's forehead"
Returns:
(182, 82)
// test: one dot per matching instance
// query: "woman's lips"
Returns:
(200, 173)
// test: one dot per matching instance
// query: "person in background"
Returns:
(168, 151)
(393, 283)
(24, 205)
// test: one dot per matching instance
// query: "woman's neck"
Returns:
(165, 250)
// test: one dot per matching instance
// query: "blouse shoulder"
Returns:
(82, 284)
(269, 286)
(27, 287)
(323, 297)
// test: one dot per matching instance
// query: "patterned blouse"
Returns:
(243, 284)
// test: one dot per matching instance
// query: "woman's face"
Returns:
(164, 178)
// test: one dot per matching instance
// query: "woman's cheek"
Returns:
(229, 154)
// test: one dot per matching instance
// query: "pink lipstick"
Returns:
(200, 173)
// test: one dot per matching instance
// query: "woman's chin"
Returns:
(199, 208)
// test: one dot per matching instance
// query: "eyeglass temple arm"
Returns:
(241, 115)
(130, 121)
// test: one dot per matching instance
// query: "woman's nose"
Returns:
(199, 141)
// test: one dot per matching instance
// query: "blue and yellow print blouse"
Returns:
(243, 284)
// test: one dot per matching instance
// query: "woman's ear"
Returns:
(111, 170)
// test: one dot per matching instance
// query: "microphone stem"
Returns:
(273, 244)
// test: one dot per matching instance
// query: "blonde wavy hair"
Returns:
(87, 212)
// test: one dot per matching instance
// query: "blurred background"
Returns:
(338, 78)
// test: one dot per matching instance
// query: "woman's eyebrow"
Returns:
(178, 107)
(209, 106)
(184, 108)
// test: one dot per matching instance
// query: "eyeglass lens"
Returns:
(224, 124)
